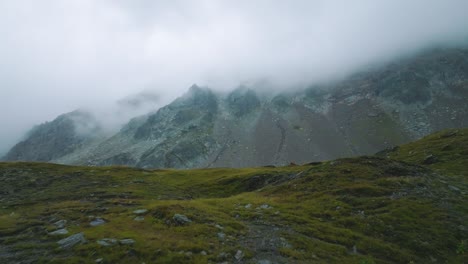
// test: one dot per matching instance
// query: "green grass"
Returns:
(390, 208)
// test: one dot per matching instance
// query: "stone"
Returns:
(453, 188)
(265, 206)
(60, 223)
(221, 236)
(180, 219)
(264, 261)
(219, 227)
(99, 260)
(248, 206)
(107, 242)
(239, 255)
(140, 211)
(97, 222)
(203, 253)
(59, 232)
(139, 218)
(355, 249)
(127, 241)
(72, 241)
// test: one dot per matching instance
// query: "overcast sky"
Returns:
(56, 55)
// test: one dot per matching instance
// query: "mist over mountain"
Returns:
(360, 115)
(60, 56)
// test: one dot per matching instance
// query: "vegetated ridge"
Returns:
(404, 205)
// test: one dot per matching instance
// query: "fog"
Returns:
(57, 56)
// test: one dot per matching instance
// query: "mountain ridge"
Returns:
(363, 114)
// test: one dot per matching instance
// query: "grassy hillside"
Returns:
(407, 205)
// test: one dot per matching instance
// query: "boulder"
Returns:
(180, 219)
(72, 241)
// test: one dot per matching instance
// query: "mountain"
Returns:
(362, 114)
(52, 140)
(404, 205)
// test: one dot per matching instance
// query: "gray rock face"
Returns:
(72, 241)
(360, 115)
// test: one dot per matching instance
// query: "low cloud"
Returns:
(58, 56)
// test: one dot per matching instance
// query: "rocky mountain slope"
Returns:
(405, 205)
(362, 114)
(52, 140)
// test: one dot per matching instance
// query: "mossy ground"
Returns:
(355, 210)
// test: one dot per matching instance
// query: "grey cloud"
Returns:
(58, 56)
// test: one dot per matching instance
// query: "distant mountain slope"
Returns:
(365, 209)
(51, 140)
(363, 114)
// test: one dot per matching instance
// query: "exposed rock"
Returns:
(221, 236)
(239, 255)
(264, 206)
(140, 211)
(248, 206)
(72, 241)
(99, 260)
(139, 218)
(127, 241)
(60, 223)
(97, 222)
(354, 250)
(264, 261)
(180, 219)
(59, 232)
(107, 242)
